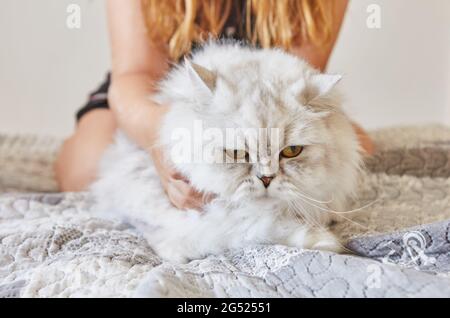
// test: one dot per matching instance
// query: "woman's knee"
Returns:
(77, 162)
(73, 173)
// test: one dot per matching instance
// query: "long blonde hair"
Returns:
(281, 23)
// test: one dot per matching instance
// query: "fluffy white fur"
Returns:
(240, 87)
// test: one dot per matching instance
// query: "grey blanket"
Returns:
(52, 247)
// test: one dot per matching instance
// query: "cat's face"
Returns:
(280, 141)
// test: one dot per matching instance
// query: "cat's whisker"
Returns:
(317, 201)
(292, 209)
(345, 212)
(325, 210)
(293, 188)
(301, 219)
(341, 216)
(297, 192)
(306, 217)
(297, 217)
(337, 212)
(347, 219)
(311, 217)
(240, 194)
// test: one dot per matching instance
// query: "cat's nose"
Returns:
(266, 180)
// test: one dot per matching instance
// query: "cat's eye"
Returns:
(292, 151)
(237, 155)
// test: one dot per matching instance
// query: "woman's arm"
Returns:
(137, 64)
(319, 56)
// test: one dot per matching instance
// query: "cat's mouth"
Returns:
(267, 194)
(256, 189)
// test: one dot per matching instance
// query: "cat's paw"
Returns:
(326, 241)
(316, 240)
(174, 252)
(173, 256)
(329, 243)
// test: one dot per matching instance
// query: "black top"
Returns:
(235, 26)
(234, 29)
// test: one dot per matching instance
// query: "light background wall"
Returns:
(47, 69)
(399, 74)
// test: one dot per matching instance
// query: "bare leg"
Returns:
(77, 162)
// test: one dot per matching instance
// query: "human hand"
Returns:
(180, 192)
(365, 140)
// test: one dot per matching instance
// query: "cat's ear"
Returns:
(319, 86)
(202, 78)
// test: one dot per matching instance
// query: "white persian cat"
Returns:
(286, 195)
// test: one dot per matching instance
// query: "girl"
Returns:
(146, 35)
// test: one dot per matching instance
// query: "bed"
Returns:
(51, 246)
